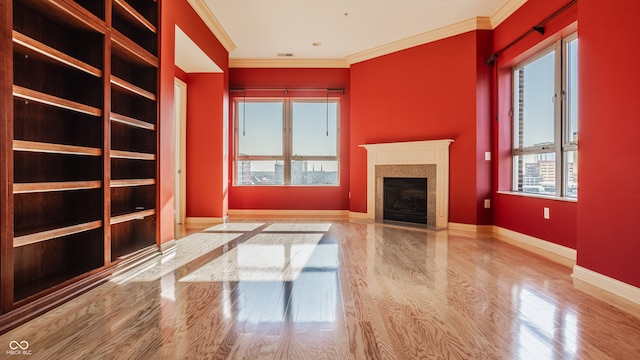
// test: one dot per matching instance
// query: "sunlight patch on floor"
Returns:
(239, 226)
(298, 227)
(264, 257)
(188, 249)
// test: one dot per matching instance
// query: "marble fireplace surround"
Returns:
(429, 158)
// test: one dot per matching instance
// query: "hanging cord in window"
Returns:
(244, 114)
(496, 93)
(327, 114)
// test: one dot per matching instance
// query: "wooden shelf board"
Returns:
(55, 233)
(132, 216)
(119, 154)
(32, 47)
(132, 122)
(42, 281)
(73, 13)
(33, 95)
(123, 8)
(127, 86)
(21, 145)
(27, 188)
(132, 182)
(132, 50)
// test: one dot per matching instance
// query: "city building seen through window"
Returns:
(545, 121)
(287, 142)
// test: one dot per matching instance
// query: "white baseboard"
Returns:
(615, 292)
(168, 246)
(290, 213)
(203, 220)
(617, 287)
(482, 230)
(358, 215)
(558, 253)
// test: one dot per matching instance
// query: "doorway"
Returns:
(180, 153)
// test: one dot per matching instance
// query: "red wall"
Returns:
(206, 185)
(525, 215)
(520, 213)
(437, 91)
(484, 123)
(428, 92)
(293, 197)
(171, 13)
(608, 209)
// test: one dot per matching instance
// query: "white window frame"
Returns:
(561, 141)
(287, 137)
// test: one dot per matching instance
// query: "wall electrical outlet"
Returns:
(487, 203)
(545, 213)
(487, 155)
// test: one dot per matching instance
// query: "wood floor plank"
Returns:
(344, 290)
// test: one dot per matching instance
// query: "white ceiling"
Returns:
(189, 56)
(260, 29)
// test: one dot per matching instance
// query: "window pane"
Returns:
(571, 173)
(259, 172)
(572, 91)
(314, 126)
(260, 128)
(534, 103)
(535, 173)
(304, 172)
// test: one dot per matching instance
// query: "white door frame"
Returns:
(180, 150)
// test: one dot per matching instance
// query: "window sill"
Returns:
(538, 196)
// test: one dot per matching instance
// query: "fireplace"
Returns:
(405, 199)
(412, 159)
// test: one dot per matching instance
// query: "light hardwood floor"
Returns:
(334, 289)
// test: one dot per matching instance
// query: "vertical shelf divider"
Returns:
(106, 130)
(6, 157)
(133, 115)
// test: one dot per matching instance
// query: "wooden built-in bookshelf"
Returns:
(78, 121)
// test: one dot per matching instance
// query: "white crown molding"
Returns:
(504, 11)
(288, 63)
(212, 23)
(477, 23)
(483, 23)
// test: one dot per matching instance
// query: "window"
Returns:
(287, 141)
(545, 121)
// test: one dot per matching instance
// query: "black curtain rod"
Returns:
(340, 90)
(538, 28)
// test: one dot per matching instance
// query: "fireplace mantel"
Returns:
(428, 152)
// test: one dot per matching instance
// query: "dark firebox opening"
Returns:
(405, 199)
